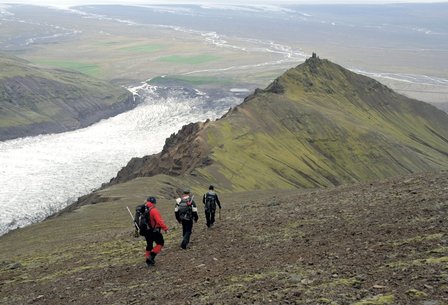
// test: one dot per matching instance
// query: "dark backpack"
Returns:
(142, 218)
(185, 209)
(210, 202)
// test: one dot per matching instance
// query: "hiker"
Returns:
(185, 212)
(153, 234)
(210, 200)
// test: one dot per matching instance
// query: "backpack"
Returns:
(185, 209)
(141, 218)
(210, 202)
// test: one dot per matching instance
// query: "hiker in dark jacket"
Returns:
(153, 234)
(210, 200)
(185, 212)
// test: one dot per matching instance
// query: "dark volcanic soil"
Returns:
(375, 243)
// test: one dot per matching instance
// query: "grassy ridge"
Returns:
(37, 100)
(317, 125)
(327, 126)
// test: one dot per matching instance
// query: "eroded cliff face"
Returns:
(182, 153)
(72, 120)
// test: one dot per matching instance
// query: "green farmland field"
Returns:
(146, 48)
(85, 68)
(192, 60)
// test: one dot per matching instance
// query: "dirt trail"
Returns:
(374, 243)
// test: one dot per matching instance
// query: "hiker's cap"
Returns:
(151, 199)
(186, 191)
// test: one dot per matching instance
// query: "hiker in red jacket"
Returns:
(153, 235)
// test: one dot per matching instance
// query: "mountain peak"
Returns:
(314, 61)
(323, 77)
(306, 75)
(316, 125)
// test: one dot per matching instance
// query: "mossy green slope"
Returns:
(317, 125)
(321, 125)
(36, 100)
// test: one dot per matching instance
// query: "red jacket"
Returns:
(155, 218)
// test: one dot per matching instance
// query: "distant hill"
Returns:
(36, 100)
(317, 125)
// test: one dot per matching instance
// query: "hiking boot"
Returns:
(150, 261)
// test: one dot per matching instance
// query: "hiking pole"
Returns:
(133, 220)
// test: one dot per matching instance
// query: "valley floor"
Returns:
(383, 242)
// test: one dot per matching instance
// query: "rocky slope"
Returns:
(317, 125)
(35, 100)
(378, 243)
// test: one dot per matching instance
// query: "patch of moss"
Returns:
(59, 274)
(377, 300)
(350, 282)
(416, 294)
(419, 262)
(324, 301)
(50, 258)
(418, 239)
(439, 250)
(248, 278)
(437, 260)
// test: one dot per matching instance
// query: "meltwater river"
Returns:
(41, 175)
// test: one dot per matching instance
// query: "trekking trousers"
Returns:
(187, 228)
(154, 237)
(210, 217)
